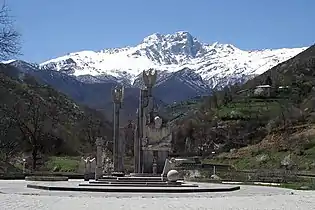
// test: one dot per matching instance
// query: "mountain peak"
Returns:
(173, 48)
(153, 38)
(216, 63)
(184, 36)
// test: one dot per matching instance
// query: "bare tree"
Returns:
(8, 144)
(32, 118)
(9, 37)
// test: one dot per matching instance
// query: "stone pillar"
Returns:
(121, 151)
(142, 117)
(117, 158)
(99, 149)
(154, 167)
(136, 145)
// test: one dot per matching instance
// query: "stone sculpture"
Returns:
(168, 165)
(87, 167)
(106, 160)
(157, 136)
(188, 144)
(149, 78)
(118, 95)
(152, 136)
(172, 175)
(98, 169)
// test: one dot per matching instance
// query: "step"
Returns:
(128, 180)
(145, 183)
(136, 185)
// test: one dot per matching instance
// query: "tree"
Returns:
(268, 81)
(227, 96)
(9, 37)
(92, 127)
(9, 144)
(214, 100)
(32, 117)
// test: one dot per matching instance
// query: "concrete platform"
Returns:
(126, 189)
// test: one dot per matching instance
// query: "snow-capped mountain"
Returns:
(216, 64)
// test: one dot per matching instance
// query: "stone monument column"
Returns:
(118, 93)
(136, 145)
(149, 80)
(99, 149)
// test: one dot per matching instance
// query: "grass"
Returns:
(300, 185)
(249, 109)
(304, 161)
(63, 164)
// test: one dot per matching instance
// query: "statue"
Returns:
(87, 167)
(149, 78)
(169, 165)
(108, 166)
(154, 166)
(188, 144)
(106, 161)
(156, 135)
(118, 94)
(152, 137)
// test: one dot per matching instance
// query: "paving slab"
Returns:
(15, 196)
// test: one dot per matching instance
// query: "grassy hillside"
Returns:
(36, 118)
(254, 131)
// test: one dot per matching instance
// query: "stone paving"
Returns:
(15, 196)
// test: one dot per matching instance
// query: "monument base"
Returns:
(117, 174)
(148, 160)
(144, 175)
(133, 188)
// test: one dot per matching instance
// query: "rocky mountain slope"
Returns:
(216, 64)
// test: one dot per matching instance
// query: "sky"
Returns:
(52, 28)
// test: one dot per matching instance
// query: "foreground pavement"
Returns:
(15, 196)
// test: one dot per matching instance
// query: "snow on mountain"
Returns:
(217, 64)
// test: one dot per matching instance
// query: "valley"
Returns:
(213, 116)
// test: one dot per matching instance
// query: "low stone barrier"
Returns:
(46, 178)
(21, 176)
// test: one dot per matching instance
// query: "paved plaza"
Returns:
(15, 196)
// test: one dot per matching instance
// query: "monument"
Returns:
(118, 95)
(99, 166)
(154, 170)
(153, 137)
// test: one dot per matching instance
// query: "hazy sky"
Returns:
(52, 28)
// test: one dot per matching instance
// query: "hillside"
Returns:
(94, 95)
(248, 126)
(36, 118)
